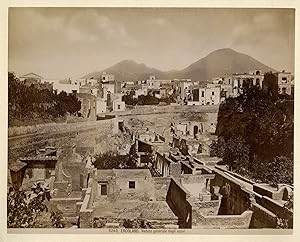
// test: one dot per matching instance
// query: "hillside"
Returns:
(217, 63)
(128, 70)
(221, 62)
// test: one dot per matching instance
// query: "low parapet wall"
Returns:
(151, 109)
(275, 207)
(240, 197)
(268, 191)
(210, 208)
(177, 199)
(224, 221)
(66, 205)
(85, 215)
(262, 217)
(46, 128)
(161, 185)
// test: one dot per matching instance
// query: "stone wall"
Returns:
(153, 109)
(143, 191)
(25, 140)
(275, 207)
(66, 205)
(177, 200)
(159, 121)
(262, 217)
(85, 215)
(206, 208)
(117, 181)
(197, 184)
(76, 172)
(235, 198)
(175, 169)
(239, 197)
(161, 186)
(271, 192)
(223, 221)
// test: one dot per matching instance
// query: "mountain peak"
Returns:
(217, 63)
(127, 61)
(224, 51)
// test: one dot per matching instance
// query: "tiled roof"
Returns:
(40, 158)
(17, 166)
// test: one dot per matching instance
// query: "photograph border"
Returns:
(89, 235)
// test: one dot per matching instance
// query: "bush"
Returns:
(111, 160)
(136, 224)
(29, 210)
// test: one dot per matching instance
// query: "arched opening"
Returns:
(196, 130)
(199, 149)
(285, 195)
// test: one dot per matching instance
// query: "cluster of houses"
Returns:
(180, 186)
(104, 94)
(97, 96)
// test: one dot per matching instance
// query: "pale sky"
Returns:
(66, 42)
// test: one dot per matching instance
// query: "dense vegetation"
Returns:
(129, 99)
(126, 223)
(255, 133)
(29, 210)
(111, 160)
(29, 102)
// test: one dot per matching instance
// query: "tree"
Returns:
(147, 100)
(110, 160)
(24, 210)
(270, 84)
(129, 99)
(26, 103)
(218, 147)
(278, 170)
(255, 135)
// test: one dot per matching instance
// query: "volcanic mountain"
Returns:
(217, 63)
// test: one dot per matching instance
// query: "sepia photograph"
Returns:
(150, 120)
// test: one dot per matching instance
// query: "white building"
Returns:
(284, 80)
(118, 105)
(107, 88)
(205, 95)
(101, 107)
(237, 80)
(140, 92)
(154, 83)
(66, 87)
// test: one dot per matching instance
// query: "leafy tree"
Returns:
(270, 84)
(278, 170)
(29, 102)
(24, 209)
(255, 135)
(218, 147)
(148, 100)
(129, 99)
(111, 160)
